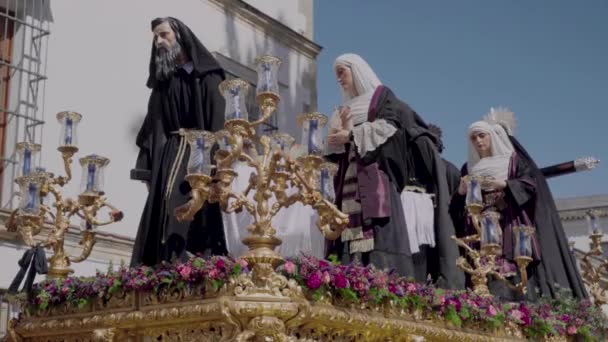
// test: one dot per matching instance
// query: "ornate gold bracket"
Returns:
(593, 275)
(480, 272)
(61, 211)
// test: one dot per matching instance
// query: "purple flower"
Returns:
(340, 281)
(314, 281)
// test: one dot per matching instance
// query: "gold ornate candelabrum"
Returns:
(594, 272)
(36, 185)
(481, 263)
(277, 169)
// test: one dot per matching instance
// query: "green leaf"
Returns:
(82, 303)
(217, 284)
(452, 316)
(317, 294)
(348, 294)
(464, 313)
(236, 270)
(333, 258)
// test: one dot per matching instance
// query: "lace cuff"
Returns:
(370, 135)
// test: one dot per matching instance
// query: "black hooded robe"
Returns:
(189, 100)
(559, 268)
(453, 175)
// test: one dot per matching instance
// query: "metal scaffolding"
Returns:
(24, 31)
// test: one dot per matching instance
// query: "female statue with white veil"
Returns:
(384, 149)
(510, 187)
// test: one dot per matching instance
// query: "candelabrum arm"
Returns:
(241, 201)
(332, 221)
(87, 242)
(591, 274)
(285, 202)
(267, 106)
(11, 223)
(237, 151)
(592, 277)
(465, 266)
(89, 213)
(465, 245)
(186, 212)
(67, 165)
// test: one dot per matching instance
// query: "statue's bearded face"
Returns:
(167, 51)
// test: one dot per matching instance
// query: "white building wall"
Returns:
(98, 64)
(297, 14)
(98, 55)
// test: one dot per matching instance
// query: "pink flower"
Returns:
(411, 287)
(219, 263)
(380, 280)
(359, 286)
(491, 311)
(243, 263)
(326, 277)
(213, 273)
(314, 281)
(441, 299)
(289, 267)
(185, 271)
(572, 330)
(517, 314)
(340, 281)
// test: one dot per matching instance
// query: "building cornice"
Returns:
(580, 214)
(107, 243)
(267, 24)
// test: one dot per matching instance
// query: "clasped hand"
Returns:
(337, 137)
(488, 183)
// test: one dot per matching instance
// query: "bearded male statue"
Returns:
(184, 79)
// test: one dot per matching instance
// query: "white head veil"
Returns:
(365, 82)
(497, 165)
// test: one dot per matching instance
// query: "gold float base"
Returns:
(180, 317)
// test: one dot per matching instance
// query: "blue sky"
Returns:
(451, 60)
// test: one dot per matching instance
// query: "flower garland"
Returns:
(344, 284)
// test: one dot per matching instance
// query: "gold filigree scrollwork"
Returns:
(266, 194)
(481, 264)
(38, 184)
(594, 267)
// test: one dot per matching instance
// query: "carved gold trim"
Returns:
(229, 318)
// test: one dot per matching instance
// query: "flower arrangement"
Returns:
(343, 285)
